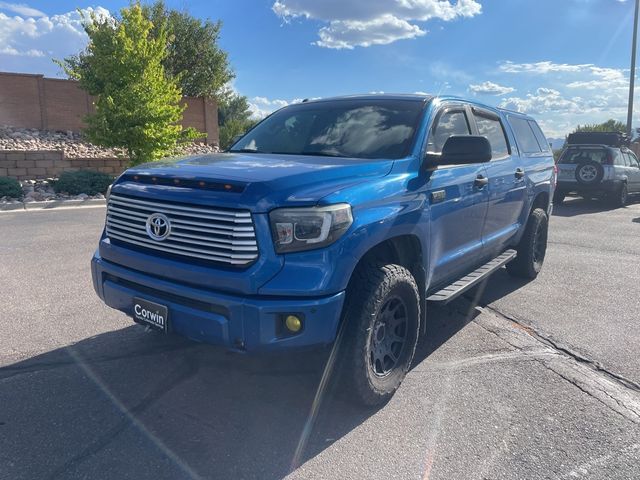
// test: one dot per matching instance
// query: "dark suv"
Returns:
(598, 165)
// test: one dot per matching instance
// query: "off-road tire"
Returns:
(532, 247)
(620, 197)
(371, 289)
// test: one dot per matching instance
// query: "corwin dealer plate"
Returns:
(150, 313)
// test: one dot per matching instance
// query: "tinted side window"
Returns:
(524, 135)
(492, 129)
(450, 123)
(542, 141)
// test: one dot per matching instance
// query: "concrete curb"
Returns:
(11, 207)
(52, 204)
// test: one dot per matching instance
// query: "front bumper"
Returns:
(250, 323)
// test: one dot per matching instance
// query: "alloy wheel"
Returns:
(539, 244)
(388, 338)
(588, 173)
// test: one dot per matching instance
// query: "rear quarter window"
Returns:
(542, 141)
(525, 136)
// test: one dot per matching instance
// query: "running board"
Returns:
(460, 286)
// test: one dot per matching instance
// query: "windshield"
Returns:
(342, 128)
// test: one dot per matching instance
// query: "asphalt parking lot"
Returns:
(538, 380)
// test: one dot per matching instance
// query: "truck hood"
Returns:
(257, 182)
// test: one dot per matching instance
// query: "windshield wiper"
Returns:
(322, 154)
(246, 150)
(313, 154)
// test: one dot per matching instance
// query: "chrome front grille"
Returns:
(219, 235)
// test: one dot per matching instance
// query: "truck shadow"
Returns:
(574, 206)
(136, 404)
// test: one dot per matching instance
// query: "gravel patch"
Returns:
(74, 144)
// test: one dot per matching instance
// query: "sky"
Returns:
(566, 62)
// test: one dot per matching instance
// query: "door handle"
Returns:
(519, 173)
(480, 181)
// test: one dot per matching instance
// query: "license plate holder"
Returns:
(151, 314)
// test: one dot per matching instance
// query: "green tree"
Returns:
(610, 125)
(138, 105)
(235, 108)
(231, 129)
(234, 118)
(193, 55)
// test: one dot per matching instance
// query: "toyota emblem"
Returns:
(158, 226)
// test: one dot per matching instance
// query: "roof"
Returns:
(514, 112)
(377, 96)
(419, 97)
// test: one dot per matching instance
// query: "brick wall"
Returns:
(33, 101)
(51, 163)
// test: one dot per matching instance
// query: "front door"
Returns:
(457, 199)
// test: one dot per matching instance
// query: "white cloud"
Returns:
(543, 101)
(8, 50)
(573, 93)
(355, 33)
(605, 78)
(362, 23)
(21, 9)
(592, 76)
(29, 41)
(540, 67)
(490, 88)
(261, 106)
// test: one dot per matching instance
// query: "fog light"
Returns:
(293, 323)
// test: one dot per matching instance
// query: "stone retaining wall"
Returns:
(51, 163)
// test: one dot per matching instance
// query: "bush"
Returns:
(138, 106)
(10, 187)
(83, 181)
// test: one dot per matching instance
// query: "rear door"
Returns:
(507, 186)
(457, 201)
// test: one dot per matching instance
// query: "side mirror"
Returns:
(463, 150)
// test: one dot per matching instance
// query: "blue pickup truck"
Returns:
(331, 222)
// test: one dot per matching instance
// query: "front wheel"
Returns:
(532, 247)
(382, 321)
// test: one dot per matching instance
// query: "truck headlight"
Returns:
(297, 229)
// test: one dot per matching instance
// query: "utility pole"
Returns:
(632, 75)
